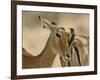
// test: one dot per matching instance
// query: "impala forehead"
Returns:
(63, 32)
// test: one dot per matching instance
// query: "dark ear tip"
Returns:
(43, 26)
(39, 17)
(54, 23)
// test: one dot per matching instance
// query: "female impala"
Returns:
(59, 42)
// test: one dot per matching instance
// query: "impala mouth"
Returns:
(67, 57)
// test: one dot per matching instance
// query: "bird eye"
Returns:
(58, 35)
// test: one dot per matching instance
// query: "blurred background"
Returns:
(35, 36)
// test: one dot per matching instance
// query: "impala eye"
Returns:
(58, 35)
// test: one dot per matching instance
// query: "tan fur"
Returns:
(55, 45)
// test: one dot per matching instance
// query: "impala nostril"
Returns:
(68, 56)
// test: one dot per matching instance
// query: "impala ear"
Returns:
(45, 23)
(48, 25)
(42, 21)
(78, 55)
(71, 36)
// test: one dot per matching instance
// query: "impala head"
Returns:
(59, 36)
